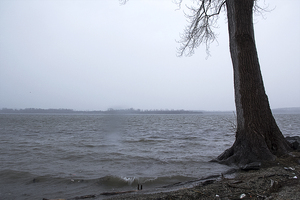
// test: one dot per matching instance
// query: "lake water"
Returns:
(64, 156)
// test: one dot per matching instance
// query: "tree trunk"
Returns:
(258, 137)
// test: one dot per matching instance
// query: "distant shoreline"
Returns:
(107, 112)
(295, 110)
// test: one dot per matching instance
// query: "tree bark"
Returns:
(258, 137)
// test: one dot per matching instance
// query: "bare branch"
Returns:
(259, 10)
(122, 2)
(178, 2)
(202, 20)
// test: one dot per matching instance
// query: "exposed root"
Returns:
(254, 148)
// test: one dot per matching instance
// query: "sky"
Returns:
(98, 54)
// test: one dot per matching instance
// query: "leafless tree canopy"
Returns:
(202, 19)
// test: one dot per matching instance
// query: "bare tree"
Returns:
(258, 138)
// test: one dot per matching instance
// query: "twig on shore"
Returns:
(115, 193)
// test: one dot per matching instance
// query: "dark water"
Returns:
(64, 156)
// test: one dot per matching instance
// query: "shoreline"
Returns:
(277, 180)
(281, 180)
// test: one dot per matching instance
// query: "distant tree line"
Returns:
(108, 111)
(35, 110)
(155, 111)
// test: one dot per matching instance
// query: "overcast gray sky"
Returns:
(96, 54)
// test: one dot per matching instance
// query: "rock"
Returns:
(251, 166)
(295, 142)
(207, 182)
(274, 186)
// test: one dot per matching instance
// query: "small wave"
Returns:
(27, 178)
(13, 175)
(145, 140)
(115, 181)
(122, 181)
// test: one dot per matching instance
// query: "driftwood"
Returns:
(79, 197)
(53, 199)
(115, 193)
(85, 197)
